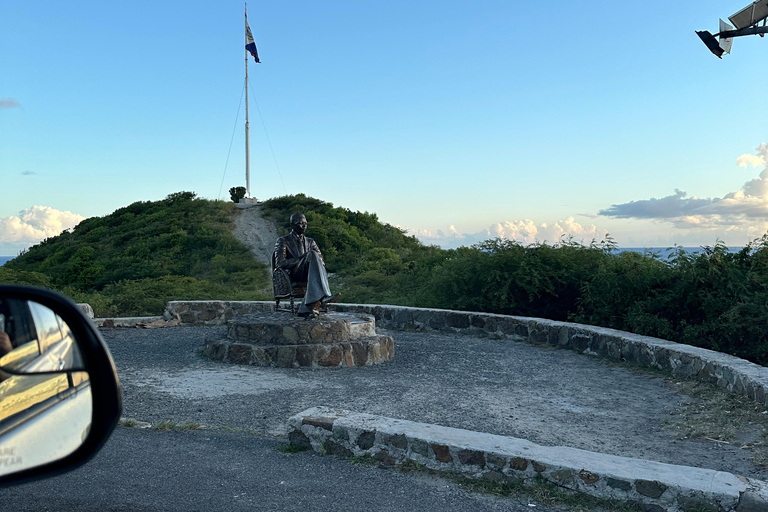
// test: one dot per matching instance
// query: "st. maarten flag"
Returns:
(250, 44)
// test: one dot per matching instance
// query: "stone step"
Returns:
(280, 328)
(360, 352)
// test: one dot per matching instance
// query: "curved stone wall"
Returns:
(726, 371)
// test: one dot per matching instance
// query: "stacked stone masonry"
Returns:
(285, 341)
(653, 485)
(726, 371)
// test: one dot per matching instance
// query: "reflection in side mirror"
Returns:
(34, 339)
(59, 395)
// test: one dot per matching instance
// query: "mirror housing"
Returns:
(93, 358)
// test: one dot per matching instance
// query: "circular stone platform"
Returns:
(284, 341)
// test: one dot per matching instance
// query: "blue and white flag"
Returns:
(250, 44)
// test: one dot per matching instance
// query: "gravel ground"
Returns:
(551, 397)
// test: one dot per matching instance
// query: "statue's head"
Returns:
(299, 223)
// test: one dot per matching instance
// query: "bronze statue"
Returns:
(301, 258)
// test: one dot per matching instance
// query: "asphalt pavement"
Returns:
(239, 414)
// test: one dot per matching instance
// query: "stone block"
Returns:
(538, 336)
(338, 450)
(290, 335)
(652, 489)
(495, 461)
(297, 438)
(442, 452)
(261, 357)
(580, 342)
(239, 353)
(402, 318)
(349, 360)
(324, 422)
(365, 440)
(646, 355)
(562, 477)
(333, 358)
(305, 355)
(437, 321)
(750, 502)
(621, 485)
(419, 447)
(216, 350)
(398, 441)
(457, 320)
(359, 353)
(588, 478)
(341, 434)
(319, 334)
(375, 352)
(286, 357)
(472, 457)
(477, 321)
(518, 464)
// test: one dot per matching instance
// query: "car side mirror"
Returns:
(59, 393)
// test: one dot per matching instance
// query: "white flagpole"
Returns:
(247, 135)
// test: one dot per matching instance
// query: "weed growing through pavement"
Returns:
(540, 491)
(168, 425)
(363, 460)
(128, 422)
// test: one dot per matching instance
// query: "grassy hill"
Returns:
(136, 259)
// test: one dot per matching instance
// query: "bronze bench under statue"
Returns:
(298, 270)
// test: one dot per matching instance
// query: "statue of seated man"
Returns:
(301, 258)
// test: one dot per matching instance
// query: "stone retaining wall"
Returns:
(686, 361)
(654, 485)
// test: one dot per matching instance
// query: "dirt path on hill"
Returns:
(256, 232)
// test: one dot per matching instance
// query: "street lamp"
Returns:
(745, 22)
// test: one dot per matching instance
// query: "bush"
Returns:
(236, 194)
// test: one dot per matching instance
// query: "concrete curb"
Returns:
(655, 486)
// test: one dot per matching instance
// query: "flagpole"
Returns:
(247, 135)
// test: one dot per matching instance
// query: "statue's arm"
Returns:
(283, 257)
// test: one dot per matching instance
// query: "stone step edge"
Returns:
(373, 350)
(360, 326)
(655, 485)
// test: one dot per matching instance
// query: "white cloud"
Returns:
(524, 231)
(745, 210)
(34, 224)
(747, 159)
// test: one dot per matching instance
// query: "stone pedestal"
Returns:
(284, 341)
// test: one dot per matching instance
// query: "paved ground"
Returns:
(225, 471)
(551, 397)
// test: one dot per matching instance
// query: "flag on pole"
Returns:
(250, 44)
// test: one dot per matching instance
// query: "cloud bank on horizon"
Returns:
(743, 213)
(745, 210)
(33, 225)
(524, 231)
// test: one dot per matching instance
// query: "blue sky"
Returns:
(456, 120)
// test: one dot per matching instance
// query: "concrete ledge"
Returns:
(656, 486)
(686, 361)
